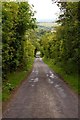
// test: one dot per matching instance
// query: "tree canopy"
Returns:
(63, 44)
(17, 21)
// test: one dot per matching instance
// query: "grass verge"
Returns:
(14, 80)
(0, 97)
(70, 79)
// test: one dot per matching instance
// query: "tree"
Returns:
(17, 19)
(64, 46)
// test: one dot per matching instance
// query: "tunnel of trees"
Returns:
(21, 39)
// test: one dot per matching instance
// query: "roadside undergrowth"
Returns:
(70, 79)
(13, 81)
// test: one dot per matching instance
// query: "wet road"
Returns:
(43, 95)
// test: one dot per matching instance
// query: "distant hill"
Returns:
(46, 25)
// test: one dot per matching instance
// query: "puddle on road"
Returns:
(36, 79)
(47, 75)
(32, 85)
(33, 71)
(56, 86)
(31, 80)
(52, 76)
(50, 72)
(61, 91)
(50, 81)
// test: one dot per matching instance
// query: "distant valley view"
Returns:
(47, 26)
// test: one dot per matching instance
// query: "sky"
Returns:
(46, 11)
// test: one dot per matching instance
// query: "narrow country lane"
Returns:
(43, 95)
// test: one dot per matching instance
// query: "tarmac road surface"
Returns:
(43, 95)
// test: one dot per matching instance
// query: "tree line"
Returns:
(18, 47)
(62, 45)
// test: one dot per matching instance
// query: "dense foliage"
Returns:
(18, 23)
(20, 38)
(63, 44)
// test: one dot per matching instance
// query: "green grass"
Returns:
(70, 79)
(14, 80)
(0, 97)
